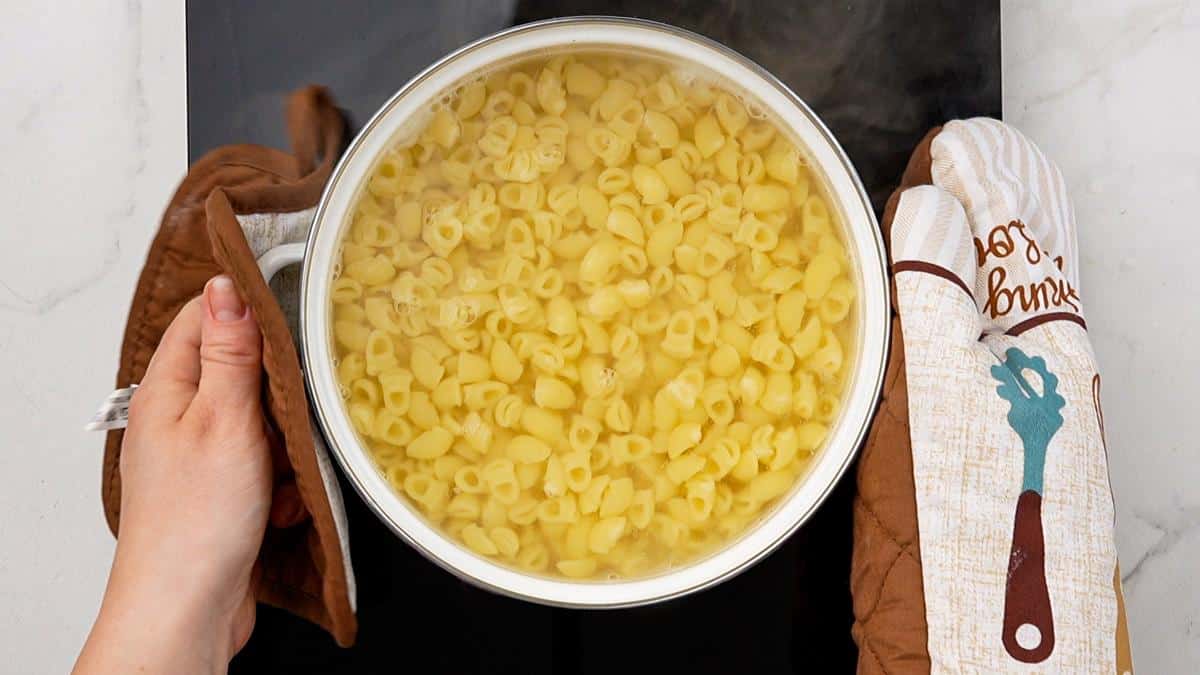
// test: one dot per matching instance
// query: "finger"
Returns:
(174, 371)
(230, 350)
(244, 617)
(934, 269)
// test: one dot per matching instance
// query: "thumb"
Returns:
(230, 348)
(934, 267)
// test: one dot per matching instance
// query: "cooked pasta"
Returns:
(594, 320)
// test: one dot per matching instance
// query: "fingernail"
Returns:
(223, 300)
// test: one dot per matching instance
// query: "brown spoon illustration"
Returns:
(1028, 631)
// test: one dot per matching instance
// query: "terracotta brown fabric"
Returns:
(301, 568)
(885, 574)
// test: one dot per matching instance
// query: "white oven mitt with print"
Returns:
(1014, 508)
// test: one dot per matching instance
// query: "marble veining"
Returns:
(1105, 89)
(1137, 29)
(1169, 533)
(93, 134)
(38, 303)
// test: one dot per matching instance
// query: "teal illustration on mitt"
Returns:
(1028, 631)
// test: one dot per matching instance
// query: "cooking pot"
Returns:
(406, 112)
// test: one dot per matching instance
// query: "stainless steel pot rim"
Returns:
(867, 383)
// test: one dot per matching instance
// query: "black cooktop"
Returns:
(878, 72)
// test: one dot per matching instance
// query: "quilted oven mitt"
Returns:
(984, 520)
(235, 203)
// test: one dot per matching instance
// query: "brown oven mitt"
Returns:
(983, 524)
(235, 199)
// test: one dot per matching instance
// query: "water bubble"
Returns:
(608, 377)
(406, 305)
(682, 390)
(685, 77)
(468, 315)
(753, 108)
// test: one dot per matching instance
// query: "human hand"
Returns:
(195, 499)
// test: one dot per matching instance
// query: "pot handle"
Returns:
(114, 411)
(277, 258)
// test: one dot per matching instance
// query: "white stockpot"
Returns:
(405, 111)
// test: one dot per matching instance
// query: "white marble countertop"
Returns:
(93, 124)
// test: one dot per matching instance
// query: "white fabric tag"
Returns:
(113, 413)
